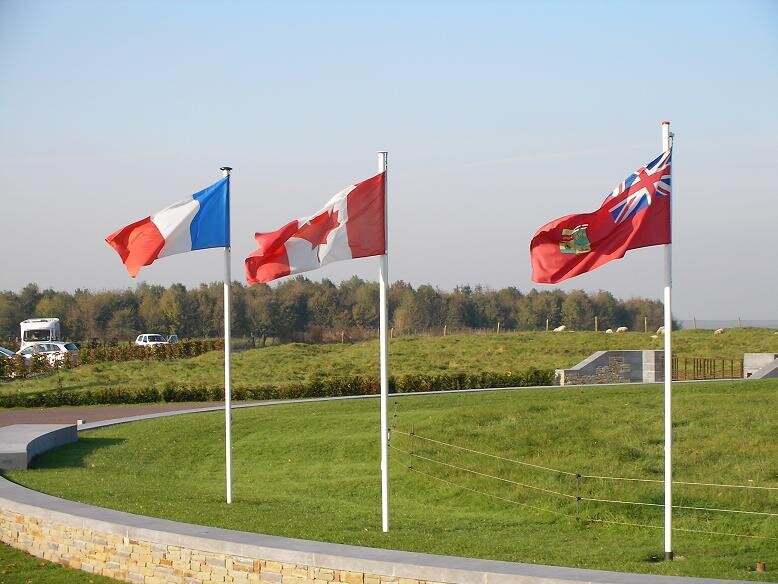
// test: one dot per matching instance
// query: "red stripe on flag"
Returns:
(138, 244)
(366, 224)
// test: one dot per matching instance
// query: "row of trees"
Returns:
(304, 310)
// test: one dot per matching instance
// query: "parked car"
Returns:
(54, 351)
(150, 340)
(172, 339)
(7, 353)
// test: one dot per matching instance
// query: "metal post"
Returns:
(384, 350)
(668, 421)
(227, 341)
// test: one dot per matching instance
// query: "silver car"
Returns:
(55, 352)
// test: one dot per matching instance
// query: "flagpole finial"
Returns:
(226, 169)
(665, 123)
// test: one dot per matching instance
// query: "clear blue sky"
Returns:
(499, 116)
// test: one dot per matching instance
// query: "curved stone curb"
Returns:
(150, 550)
(20, 443)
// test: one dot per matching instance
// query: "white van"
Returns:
(39, 330)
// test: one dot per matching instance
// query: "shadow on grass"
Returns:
(73, 455)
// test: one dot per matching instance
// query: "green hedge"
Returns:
(324, 387)
(128, 352)
(18, 368)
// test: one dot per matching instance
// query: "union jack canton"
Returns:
(637, 191)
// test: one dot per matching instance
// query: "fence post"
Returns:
(546, 325)
(695, 323)
(645, 324)
(578, 496)
(595, 323)
(498, 327)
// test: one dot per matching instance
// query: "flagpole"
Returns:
(383, 272)
(227, 342)
(668, 373)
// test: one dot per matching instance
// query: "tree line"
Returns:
(299, 309)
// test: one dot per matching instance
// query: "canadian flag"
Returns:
(351, 225)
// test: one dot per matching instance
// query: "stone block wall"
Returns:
(615, 367)
(145, 562)
(754, 362)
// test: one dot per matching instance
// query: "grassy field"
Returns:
(17, 567)
(312, 471)
(454, 353)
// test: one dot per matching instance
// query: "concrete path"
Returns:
(69, 415)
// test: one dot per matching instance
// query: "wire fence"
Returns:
(586, 497)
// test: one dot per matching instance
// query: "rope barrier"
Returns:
(475, 472)
(577, 498)
(564, 472)
(764, 513)
(592, 520)
(660, 481)
(726, 486)
(583, 476)
(410, 468)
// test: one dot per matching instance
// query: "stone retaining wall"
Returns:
(145, 562)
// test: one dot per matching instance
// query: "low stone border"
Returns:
(20, 443)
(147, 550)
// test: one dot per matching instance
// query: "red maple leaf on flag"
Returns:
(317, 229)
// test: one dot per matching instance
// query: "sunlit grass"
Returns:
(312, 471)
(454, 353)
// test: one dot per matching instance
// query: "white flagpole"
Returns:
(668, 373)
(227, 341)
(383, 272)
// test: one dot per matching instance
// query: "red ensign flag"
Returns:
(636, 214)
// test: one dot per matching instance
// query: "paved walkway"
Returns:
(69, 415)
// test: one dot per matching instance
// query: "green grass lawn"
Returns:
(454, 353)
(17, 567)
(312, 471)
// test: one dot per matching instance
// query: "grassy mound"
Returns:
(312, 471)
(411, 355)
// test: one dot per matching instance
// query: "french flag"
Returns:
(351, 225)
(200, 222)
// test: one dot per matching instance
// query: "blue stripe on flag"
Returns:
(211, 225)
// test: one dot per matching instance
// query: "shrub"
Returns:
(319, 387)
